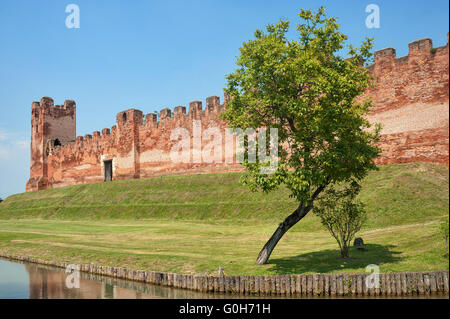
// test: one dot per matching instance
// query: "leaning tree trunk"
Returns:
(290, 221)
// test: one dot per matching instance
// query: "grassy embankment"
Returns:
(194, 224)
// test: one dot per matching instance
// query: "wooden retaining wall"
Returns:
(391, 284)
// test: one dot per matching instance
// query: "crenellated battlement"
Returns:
(386, 59)
(410, 101)
(419, 77)
(152, 124)
(420, 47)
(47, 106)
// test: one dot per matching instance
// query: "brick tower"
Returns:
(51, 126)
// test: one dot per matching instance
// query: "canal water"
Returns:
(34, 281)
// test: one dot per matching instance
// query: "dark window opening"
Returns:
(108, 170)
(57, 143)
(124, 117)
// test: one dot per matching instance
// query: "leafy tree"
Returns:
(341, 214)
(444, 233)
(309, 93)
(1, 200)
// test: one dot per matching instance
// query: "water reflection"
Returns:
(14, 282)
(26, 280)
(50, 283)
(34, 281)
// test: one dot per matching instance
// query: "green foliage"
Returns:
(309, 93)
(1, 200)
(433, 50)
(342, 214)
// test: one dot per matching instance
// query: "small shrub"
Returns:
(433, 50)
(341, 214)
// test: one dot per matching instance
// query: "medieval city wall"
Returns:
(411, 101)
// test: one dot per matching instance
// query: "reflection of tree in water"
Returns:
(50, 282)
(47, 283)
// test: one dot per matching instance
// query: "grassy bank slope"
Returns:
(194, 224)
(395, 194)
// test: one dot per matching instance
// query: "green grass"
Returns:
(194, 224)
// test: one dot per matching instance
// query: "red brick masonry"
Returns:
(411, 101)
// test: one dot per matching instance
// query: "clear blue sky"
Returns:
(153, 54)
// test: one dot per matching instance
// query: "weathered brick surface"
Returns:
(411, 101)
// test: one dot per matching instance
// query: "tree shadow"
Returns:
(330, 260)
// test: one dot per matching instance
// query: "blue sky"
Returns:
(153, 54)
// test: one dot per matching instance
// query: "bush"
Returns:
(444, 232)
(342, 214)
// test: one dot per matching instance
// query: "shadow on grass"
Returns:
(330, 260)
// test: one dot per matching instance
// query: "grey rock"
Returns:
(358, 242)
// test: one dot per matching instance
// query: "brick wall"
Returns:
(411, 101)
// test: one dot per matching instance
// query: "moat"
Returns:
(34, 281)
(19, 280)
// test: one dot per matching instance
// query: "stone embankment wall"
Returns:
(390, 284)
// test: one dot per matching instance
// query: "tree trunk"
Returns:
(344, 251)
(290, 221)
